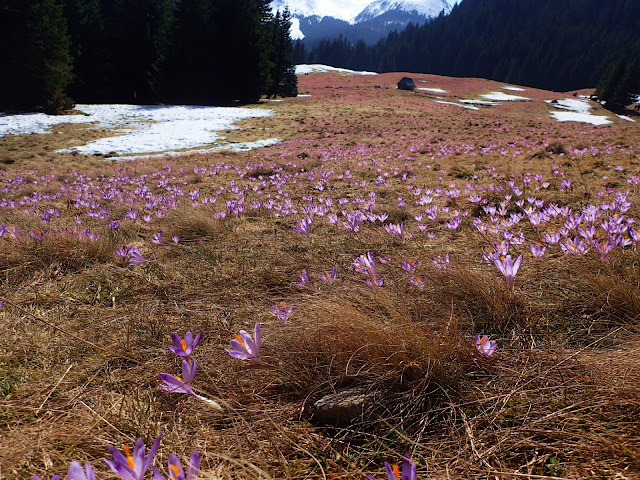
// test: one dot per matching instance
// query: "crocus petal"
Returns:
(156, 474)
(175, 468)
(152, 453)
(194, 465)
(76, 472)
(121, 469)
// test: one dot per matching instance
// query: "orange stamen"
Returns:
(174, 470)
(239, 339)
(396, 472)
(130, 461)
(484, 339)
(183, 344)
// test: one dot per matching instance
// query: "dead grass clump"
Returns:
(605, 294)
(197, 225)
(65, 252)
(366, 339)
(483, 301)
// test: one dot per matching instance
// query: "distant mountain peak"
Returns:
(426, 8)
(351, 10)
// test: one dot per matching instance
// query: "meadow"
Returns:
(372, 246)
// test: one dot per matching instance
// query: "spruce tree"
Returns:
(35, 51)
(285, 81)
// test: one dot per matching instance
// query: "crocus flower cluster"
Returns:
(132, 254)
(183, 347)
(134, 466)
(365, 264)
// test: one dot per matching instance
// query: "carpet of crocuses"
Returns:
(471, 272)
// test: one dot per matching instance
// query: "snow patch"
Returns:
(141, 128)
(578, 106)
(235, 147)
(434, 90)
(317, 68)
(481, 102)
(576, 111)
(513, 89)
(624, 117)
(503, 97)
(581, 117)
(457, 105)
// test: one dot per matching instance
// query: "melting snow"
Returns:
(624, 117)
(457, 105)
(235, 147)
(480, 102)
(580, 117)
(434, 90)
(142, 128)
(578, 111)
(513, 89)
(578, 106)
(317, 68)
(503, 97)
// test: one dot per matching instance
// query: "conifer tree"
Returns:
(285, 81)
(35, 52)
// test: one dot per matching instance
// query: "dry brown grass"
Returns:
(83, 336)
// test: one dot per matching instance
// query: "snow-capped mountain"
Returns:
(356, 11)
(426, 8)
(338, 9)
(314, 20)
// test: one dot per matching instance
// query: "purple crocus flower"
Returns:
(302, 226)
(409, 471)
(441, 263)
(175, 384)
(184, 346)
(246, 348)
(135, 257)
(132, 467)
(157, 238)
(418, 281)
(76, 472)
(328, 276)
(38, 235)
(176, 472)
(123, 251)
(409, 265)
(508, 267)
(176, 239)
(395, 229)
(538, 249)
(485, 346)
(303, 279)
(3, 228)
(282, 311)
